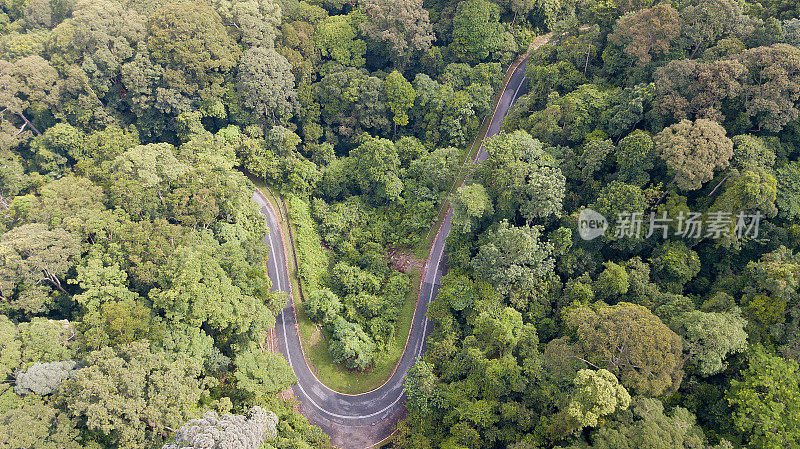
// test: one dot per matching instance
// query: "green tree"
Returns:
(618, 197)
(470, 204)
(598, 393)
(631, 342)
(751, 152)
(707, 21)
(188, 40)
(73, 203)
(749, 190)
(112, 314)
(635, 157)
(403, 25)
(10, 347)
(377, 165)
(788, 190)
(336, 38)
(514, 258)
(33, 424)
(673, 265)
(477, 31)
(612, 281)
(261, 374)
(52, 149)
(766, 400)
(322, 305)
(772, 89)
(442, 114)
(46, 340)
(420, 386)
(32, 254)
(30, 93)
(202, 293)
(351, 102)
(130, 395)
(218, 432)
(351, 346)
(646, 425)
(266, 84)
(593, 156)
(688, 88)
(647, 33)
(400, 96)
(710, 336)
(520, 176)
(693, 151)
(141, 177)
(438, 168)
(500, 330)
(255, 22)
(91, 46)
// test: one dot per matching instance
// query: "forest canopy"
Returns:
(135, 306)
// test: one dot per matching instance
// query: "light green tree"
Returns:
(673, 265)
(788, 190)
(218, 432)
(10, 347)
(470, 205)
(514, 258)
(43, 378)
(255, 22)
(400, 95)
(598, 393)
(766, 400)
(647, 33)
(709, 337)
(336, 38)
(34, 424)
(266, 84)
(520, 176)
(377, 165)
(32, 253)
(421, 389)
(261, 374)
(647, 425)
(351, 346)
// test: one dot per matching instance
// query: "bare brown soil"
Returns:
(405, 262)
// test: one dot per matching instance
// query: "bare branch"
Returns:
(720, 183)
(585, 361)
(53, 280)
(21, 128)
(33, 127)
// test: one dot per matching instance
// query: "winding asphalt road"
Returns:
(360, 421)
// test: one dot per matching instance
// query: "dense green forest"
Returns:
(135, 305)
(677, 328)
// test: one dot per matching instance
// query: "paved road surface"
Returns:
(359, 421)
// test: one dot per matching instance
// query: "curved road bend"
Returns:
(358, 422)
